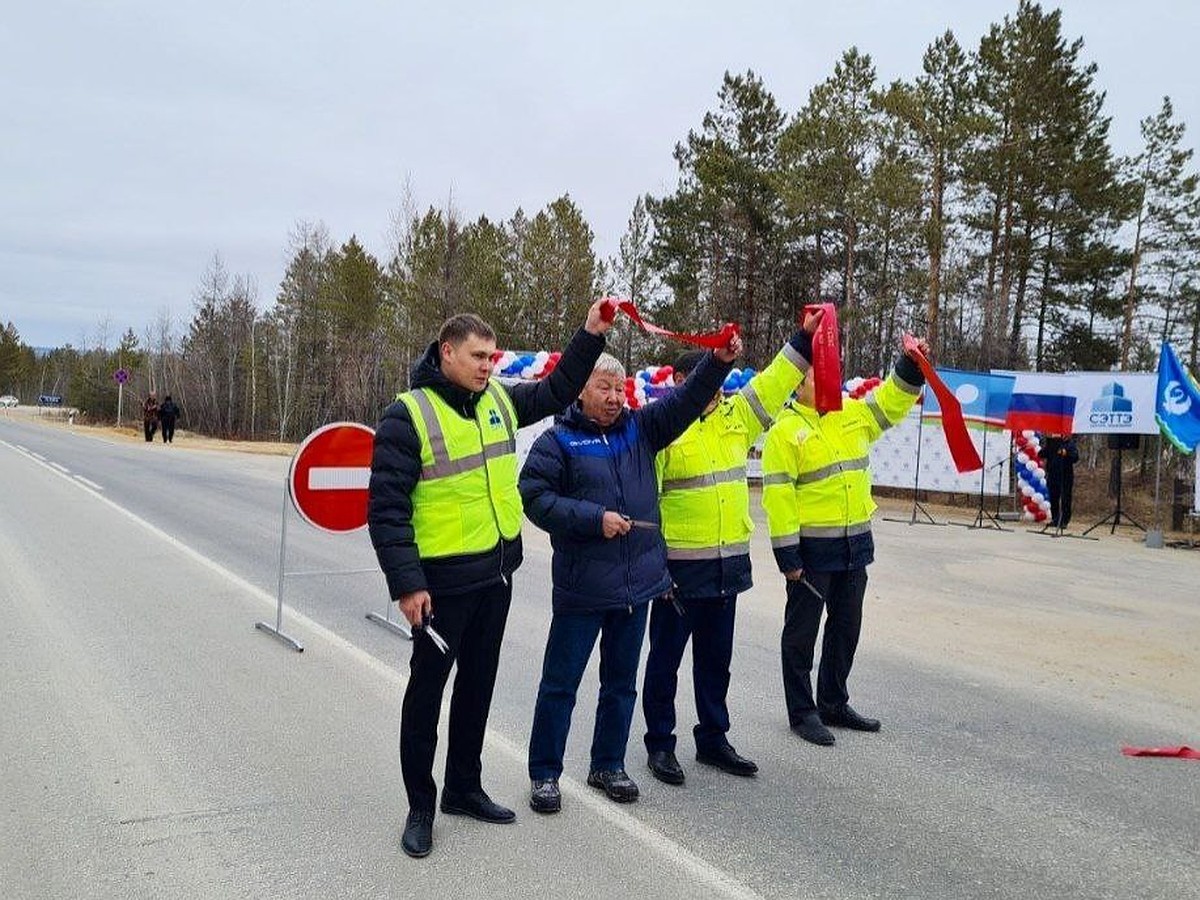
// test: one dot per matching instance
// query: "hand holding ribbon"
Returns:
(962, 448)
(827, 357)
(714, 340)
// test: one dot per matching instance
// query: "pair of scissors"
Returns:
(438, 640)
(640, 523)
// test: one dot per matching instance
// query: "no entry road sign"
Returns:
(329, 476)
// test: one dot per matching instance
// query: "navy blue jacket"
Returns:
(577, 470)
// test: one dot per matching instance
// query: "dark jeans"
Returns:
(843, 593)
(149, 428)
(709, 624)
(473, 625)
(568, 649)
(168, 431)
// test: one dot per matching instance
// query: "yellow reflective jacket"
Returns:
(703, 498)
(816, 469)
(466, 498)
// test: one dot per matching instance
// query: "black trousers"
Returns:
(473, 626)
(843, 599)
(709, 624)
(149, 428)
(168, 430)
(1061, 486)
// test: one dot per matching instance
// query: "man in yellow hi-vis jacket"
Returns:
(705, 507)
(817, 495)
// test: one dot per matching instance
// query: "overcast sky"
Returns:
(139, 138)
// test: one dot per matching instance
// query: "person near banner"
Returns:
(591, 482)
(150, 416)
(705, 505)
(445, 519)
(168, 413)
(1060, 455)
(817, 496)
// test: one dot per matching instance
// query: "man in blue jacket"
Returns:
(590, 481)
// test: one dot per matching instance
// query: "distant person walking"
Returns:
(167, 415)
(150, 416)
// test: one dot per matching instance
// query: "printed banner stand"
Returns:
(917, 505)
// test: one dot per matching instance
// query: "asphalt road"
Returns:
(156, 745)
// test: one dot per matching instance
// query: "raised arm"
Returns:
(666, 419)
(560, 388)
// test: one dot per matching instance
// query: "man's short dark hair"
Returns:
(457, 329)
(686, 364)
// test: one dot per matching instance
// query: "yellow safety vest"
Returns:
(816, 469)
(703, 498)
(466, 498)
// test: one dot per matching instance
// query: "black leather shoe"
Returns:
(616, 784)
(544, 795)
(418, 833)
(812, 730)
(665, 767)
(477, 805)
(846, 717)
(727, 760)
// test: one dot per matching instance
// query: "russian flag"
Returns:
(1047, 413)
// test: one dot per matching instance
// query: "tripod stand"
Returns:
(1114, 517)
(983, 517)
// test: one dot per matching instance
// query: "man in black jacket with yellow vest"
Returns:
(445, 520)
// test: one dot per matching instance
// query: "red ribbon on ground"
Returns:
(962, 449)
(827, 359)
(713, 340)
(1172, 752)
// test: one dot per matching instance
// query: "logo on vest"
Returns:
(494, 419)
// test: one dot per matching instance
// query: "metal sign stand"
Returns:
(276, 631)
(386, 621)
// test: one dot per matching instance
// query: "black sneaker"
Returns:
(616, 784)
(418, 833)
(545, 797)
(665, 767)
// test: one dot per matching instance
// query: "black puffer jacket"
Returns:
(396, 468)
(578, 470)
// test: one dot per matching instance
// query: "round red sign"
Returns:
(329, 476)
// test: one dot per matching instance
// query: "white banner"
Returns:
(894, 459)
(1114, 402)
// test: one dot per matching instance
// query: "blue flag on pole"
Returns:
(1177, 408)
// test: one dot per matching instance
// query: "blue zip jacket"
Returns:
(576, 471)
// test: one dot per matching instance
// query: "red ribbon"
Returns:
(827, 359)
(966, 457)
(1173, 752)
(713, 340)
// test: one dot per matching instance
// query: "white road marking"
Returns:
(710, 878)
(91, 484)
(61, 468)
(37, 456)
(22, 449)
(339, 478)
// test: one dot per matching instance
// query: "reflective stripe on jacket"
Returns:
(816, 469)
(704, 500)
(466, 498)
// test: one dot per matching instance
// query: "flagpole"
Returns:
(1154, 537)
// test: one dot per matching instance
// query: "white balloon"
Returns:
(1022, 457)
(1040, 472)
(1026, 490)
